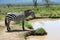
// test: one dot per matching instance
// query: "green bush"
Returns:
(40, 31)
(28, 25)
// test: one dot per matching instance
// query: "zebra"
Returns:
(16, 16)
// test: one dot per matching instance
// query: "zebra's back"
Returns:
(15, 16)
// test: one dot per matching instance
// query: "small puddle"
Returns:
(51, 26)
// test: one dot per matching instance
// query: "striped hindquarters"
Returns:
(11, 16)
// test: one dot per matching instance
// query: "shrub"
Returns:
(40, 31)
(29, 26)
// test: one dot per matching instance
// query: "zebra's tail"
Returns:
(6, 21)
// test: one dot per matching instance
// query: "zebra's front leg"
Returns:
(23, 25)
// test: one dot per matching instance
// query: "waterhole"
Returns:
(52, 27)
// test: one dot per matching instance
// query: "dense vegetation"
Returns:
(52, 11)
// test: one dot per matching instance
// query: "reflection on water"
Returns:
(37, 25)
(52, 28)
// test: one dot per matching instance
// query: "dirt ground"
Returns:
(4, 35)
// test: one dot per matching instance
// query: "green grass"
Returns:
(50, 12)
(40, 31)
(26, 24)
(53, 10)
(1, 17)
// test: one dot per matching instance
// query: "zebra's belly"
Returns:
(18, 19)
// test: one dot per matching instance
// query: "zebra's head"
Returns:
(29, 12)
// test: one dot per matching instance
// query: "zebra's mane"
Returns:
(15, 13)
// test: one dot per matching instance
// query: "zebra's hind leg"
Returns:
(8, 28)
(7, 23)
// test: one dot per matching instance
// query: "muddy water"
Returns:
(51, 26)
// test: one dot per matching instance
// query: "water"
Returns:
(37, 25)
(52, 28)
